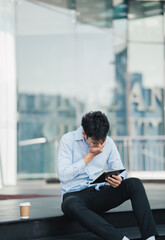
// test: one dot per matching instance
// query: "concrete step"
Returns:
(132, 233)
(62, 228)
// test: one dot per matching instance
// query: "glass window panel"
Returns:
(66, 67)
(45, 46)
(146, 77)
(118, 107)
(146, 67)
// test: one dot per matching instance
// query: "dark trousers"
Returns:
(86, 205)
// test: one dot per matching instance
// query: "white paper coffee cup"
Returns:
(25, 210)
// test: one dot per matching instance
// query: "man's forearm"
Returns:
(87, 158)
(70, 171)
(66, 172)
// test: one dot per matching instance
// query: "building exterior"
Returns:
(75, 56)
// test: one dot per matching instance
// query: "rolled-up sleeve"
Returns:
(114, 160)
(68, 170)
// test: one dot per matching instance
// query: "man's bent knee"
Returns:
(68, 203)
(134, 180)
(71, 205)
(134, 184)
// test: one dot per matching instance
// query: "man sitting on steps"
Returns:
(83, 155)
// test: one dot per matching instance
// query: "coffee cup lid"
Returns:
(25, 204)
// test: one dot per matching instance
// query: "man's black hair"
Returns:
(95, 125)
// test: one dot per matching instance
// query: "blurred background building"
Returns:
(62, 58)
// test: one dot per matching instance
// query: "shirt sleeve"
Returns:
(114, 160)
(68, 170)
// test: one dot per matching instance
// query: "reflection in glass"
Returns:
(80, 56)
(65, 69)
(146, 76)
(145, 66)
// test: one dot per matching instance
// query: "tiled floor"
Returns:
(50, 207)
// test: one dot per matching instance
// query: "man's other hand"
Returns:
(114, 181)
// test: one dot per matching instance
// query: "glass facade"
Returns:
(76, 56)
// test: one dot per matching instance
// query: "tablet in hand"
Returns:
(104, 175)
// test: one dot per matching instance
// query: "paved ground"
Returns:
(50, 207)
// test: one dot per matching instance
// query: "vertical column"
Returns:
(8, 96)
(164, 89)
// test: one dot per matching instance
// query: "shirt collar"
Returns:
(78, 134)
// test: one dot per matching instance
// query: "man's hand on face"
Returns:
(114, 181)
(95, 149)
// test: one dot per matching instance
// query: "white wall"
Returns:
(8, 132)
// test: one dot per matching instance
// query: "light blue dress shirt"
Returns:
(73, 173)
